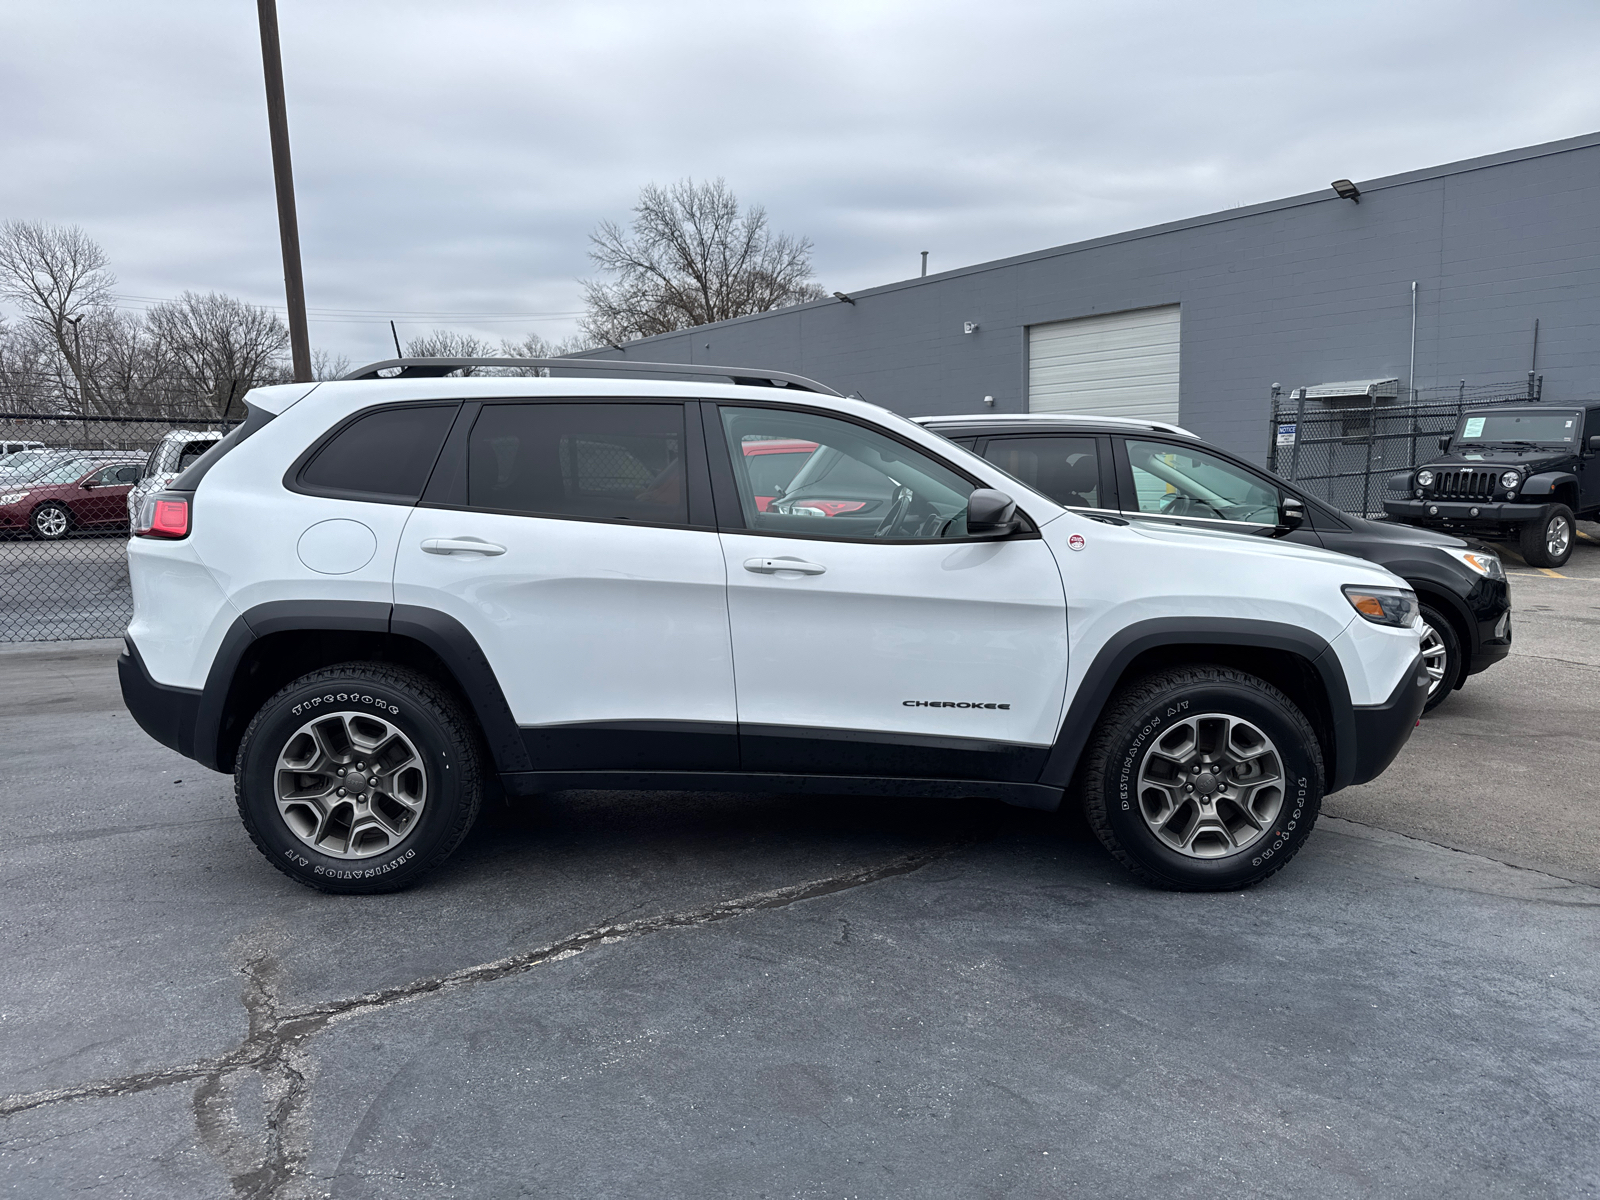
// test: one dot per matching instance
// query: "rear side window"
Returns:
(618, 461)
(386, 455)
(1067, 469)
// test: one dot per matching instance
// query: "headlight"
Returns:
(1424, 478)
(13, 497)
(1510, 480)
(1479, 561)
(1383, 605)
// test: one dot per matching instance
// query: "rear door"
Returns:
(1075, 470)
(879, 639)
(574, 541)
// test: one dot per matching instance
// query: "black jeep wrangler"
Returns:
(1522, 473)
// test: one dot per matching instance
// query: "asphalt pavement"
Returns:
(630, 994)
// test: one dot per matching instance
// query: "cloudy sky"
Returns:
(451, 156)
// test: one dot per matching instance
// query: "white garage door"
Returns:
(1116, 365)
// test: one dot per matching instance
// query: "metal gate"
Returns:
(1344, 453)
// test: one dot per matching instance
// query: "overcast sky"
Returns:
(451, 156)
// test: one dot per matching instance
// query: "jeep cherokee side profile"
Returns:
(379, 595)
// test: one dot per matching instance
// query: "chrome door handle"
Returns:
(770, 566)
(466, 545)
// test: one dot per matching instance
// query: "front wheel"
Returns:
(1441, 656)
(51, 522)
(1547, 542)
(359, 778)
(1203, 779)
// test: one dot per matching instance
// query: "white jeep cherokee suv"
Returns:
(378, 596)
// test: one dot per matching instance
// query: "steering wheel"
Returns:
(899, 505)
(1179, 505)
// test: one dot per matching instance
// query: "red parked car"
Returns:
(73, 493)
(773, 466)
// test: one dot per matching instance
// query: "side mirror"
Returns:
(1291, 514)
(1444, 442)
(1594, 443)
(991, 514)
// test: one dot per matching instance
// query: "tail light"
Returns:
(163, 515)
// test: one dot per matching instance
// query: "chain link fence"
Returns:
(65, 483)
(1343, 449)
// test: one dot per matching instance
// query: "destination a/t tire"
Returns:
(1203, 778)
(358, 778)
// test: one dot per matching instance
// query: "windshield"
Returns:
(1507, 428)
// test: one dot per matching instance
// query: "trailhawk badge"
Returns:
(1076, 541)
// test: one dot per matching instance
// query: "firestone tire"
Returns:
(1547, 542)
(1141, 731)
(425, 766)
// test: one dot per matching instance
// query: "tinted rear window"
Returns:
(620, 461)
(387, 454)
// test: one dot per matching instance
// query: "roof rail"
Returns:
(423, 368)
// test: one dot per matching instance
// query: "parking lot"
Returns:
(623, 994)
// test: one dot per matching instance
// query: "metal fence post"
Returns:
(1299, 433)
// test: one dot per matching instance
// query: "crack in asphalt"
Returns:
(262, 1166)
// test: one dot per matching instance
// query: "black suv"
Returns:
(1119, 469)
(1522, 474)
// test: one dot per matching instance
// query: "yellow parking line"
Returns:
(1586, 537)
(1552, 574)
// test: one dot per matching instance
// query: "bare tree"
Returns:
(327, 366)
(58, 278)
(219, 347)
(691, 258)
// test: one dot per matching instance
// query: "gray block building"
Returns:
(1424, 279)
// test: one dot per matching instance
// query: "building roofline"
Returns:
(1464, 166)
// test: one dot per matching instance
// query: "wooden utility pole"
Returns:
(294, 284)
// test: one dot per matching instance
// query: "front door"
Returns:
(570, 555)
(871, 635)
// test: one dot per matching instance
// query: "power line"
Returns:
(378, 315)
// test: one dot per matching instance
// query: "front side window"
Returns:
(1067, 469)
(1174, 481)
(854, 482)
(622, 462)
(110, 476)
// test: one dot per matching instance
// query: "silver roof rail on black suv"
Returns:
(422, 368)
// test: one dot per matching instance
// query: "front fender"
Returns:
(1246, 633)
(1547, 483)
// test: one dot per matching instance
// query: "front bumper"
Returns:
(1461, 512)
(1382, 729)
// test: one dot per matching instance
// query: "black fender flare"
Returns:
(1244, 633)
(442, 634)
(1546, 483)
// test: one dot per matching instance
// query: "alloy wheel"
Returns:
(50, 522)
(1557, 536)
(1435, 657)
(1211, 786)
(350, 785)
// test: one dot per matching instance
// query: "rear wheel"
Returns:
(1203, 779)
(358, 778)
(1547, 542)
(1441, 655)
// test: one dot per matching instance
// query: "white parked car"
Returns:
(378, 592)
(174, 454)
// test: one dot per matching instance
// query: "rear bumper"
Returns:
(1382, 729)
(1443, 513)
(165, 713)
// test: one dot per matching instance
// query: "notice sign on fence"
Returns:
(1286, 435)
